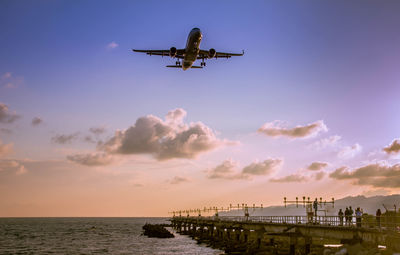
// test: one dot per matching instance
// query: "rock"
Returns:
(155, 230)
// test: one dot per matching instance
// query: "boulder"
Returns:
(156, 230)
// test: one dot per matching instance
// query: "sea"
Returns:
(91, 236)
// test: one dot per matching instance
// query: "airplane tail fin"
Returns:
(175, 66)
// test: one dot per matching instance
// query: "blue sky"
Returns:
(335, 61)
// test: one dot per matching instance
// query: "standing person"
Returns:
(315, 205)
(351, 215)
(340, 217)
(378, 217)
(358, 217)
(346, 215)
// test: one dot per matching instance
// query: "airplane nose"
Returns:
(186, 65)
(196, 31)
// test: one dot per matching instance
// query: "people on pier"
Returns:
(310, 213)
(346, 216)
(247, 215)
(351, 215)
(358, 217)
(315, 205)
(340, 214)
(378, 217)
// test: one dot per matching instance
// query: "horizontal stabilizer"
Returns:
(175, 66)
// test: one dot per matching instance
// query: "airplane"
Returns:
(190, 53)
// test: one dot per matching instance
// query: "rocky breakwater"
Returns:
(156, 230)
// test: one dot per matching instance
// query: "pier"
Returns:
(283, 234)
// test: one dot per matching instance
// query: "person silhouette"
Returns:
(358, 217)
(378, 217)
(351, 215)
(340, 214)
(315, 206)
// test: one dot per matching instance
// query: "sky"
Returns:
(89, 128)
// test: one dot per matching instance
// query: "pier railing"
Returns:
(323, 220)
(368, 222)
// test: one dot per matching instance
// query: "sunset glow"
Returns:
(88, 128)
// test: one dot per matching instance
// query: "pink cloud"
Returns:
(112, 45)
(164, 140)
(5, 149)
(275, 129)
(393, 148)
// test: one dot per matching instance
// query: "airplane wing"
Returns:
(205, 54)
(179, 52)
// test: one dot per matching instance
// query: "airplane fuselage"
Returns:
(185, 57)
(192, 48)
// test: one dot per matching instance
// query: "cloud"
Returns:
(263, 168)
(64, 139)
(97, 130)
(377, 175)
(274, 129)
(5, 149)
(304, 175)
(89, 139)
(316, 166)
(229, 169)
(393, 148)
(349, 151)
(164, 140)
(319, 175)
(291, 178)
(91, 159)
(6, 75)
(36, 121)
(13, 166)
(112, 45)
(6, 116)
(226, 170)
(340, 173)
(176, 116)
(8, 80)
(326, 142)
(178, 180)
(6, 130)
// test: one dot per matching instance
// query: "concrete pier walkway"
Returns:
(293, 233)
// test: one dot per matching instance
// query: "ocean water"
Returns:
(90, 236)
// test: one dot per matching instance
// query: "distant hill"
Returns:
(368, 204)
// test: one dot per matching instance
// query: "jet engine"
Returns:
(172, 52)
(211, 53)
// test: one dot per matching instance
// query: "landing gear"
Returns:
(203, 63)
(178, 63)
